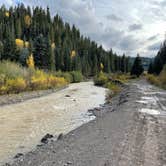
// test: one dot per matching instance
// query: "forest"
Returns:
(54, 44)
(157, 68)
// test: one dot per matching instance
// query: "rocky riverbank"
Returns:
(16, 98)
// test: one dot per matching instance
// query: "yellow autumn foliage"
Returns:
(30, 62)
(7, 14)
(27, 20)
(3, 89)
(15, 79)
(73, 53)
(56, 81)
(101, 66)
(44, 81)
(20, 43)
(15, 85)
(26, 44)
(39, 80)
(53, 45)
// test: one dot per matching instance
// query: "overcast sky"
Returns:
(127, 26)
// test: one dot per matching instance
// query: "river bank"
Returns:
(121, 134)
(23, 96)
(23, 124)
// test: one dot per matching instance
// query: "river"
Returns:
(22, 125)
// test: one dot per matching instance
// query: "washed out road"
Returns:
(129, 132)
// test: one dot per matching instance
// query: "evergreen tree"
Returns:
(51, 42)
(150, 69)
(137, 68)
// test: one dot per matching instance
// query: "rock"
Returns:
(69, 163)
(60, 136)
(40, 145)
(46, 138)
(18, 155)
(67, 96)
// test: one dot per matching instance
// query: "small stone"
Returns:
(60, 136)
(69, 163)
(67, 96)
(18, 155)
(46, 138)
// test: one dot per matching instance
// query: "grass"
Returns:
(15, 78)
(111, 81)
(71, 77)
(160, 80)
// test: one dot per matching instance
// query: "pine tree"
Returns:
(37, 31)
(137, 68)
(150, 69)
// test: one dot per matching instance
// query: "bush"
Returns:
(14, 78)
(113, 87)
(65, 75)
(54, 82)
(39, 80)
(77, 76)
(162, 77)
(101, 79)
(12, 70)
(124, 78)
(153, 79)
(15, 85)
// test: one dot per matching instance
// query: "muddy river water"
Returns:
(23, 125)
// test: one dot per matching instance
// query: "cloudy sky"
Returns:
(127, 26)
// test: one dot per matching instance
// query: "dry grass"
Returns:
(15, 79)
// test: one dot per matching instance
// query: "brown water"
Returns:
(23, 125)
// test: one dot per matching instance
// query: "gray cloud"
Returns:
(114, 17)
(129, 43)
(135, 27)
(103, 21)
(154, 37)
(154, 46)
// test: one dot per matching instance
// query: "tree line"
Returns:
(159, 61)
(54, 44)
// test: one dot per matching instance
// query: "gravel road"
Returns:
(129, 132)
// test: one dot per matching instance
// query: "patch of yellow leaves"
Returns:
(30, 61)
(7, 14)
(101, 66)
(53, 45)
(73, 53)
(27, 20)
(20, 43)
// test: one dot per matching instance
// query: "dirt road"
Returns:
(130, 132)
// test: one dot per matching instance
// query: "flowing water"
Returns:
(23, 125)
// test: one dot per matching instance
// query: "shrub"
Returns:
(3, 89)
(101, 79)
(2, 79)
(121, 77)
(15, 85)
(39, 80)
(14, 78)
(113, 87)
(12, 70)
(77, 76)
(65, 75)
(54, 82)
(153, 79)
(162, 77)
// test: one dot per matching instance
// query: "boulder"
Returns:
(46, 138)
